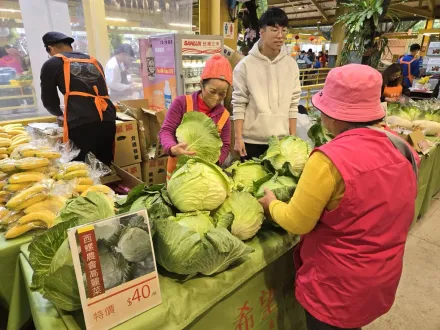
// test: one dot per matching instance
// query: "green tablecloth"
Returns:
(429, 181)
(9, 251)
(203, 302)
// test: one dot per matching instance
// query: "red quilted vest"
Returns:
(349, 266)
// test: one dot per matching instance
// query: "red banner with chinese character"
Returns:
(91, 263)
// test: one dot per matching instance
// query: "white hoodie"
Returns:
(266, 94)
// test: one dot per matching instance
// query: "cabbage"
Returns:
(50, 257)
(247, 213)
(114, 269)
(282, 186)
(291, 151)
(201, 222)
(201, 135)
(185, 251)
(198, 186)
(134, 244)
(244, 175)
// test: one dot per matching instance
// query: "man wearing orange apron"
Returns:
(89, 116)
(410, 66)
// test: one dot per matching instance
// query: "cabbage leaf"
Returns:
(282, 186)
(247, 212)
(201, 135)
(183, 250)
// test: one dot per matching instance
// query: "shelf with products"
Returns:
(14, 97)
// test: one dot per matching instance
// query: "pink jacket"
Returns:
(174, 117)
(349, 265)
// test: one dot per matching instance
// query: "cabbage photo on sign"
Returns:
(115, 266)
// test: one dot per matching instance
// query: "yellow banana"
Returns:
(53, 204)
(75, 166)
(98, 188)
(11, 217)
(3, 156)
(20, 141)
(26, 194)
(7, 166)
(3, 150)
(75, 174)
(14, 131)
(31, 201)
(85, 181)
(9, 126)
(46, 216)
(26, 177)
(32, 163)
(43, 169)
(81, 188)
(19, 136)
(3, 183)
(5, 143)
(19, 230)
(14, 187)
(4, 135)
(41, 154)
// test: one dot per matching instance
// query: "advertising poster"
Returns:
(158, 71)
(115, 268)
(201, 47)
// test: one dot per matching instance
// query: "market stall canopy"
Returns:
(323, 12)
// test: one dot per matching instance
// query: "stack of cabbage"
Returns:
(424, 115)
(205, 213)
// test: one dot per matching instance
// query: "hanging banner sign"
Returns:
(201, 47)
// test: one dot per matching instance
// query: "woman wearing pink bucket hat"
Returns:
(353, 206)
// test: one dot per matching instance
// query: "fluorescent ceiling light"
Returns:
(158, 10)
(181, 25)
(10, 10)
(116, 19)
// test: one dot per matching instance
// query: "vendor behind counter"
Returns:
(392, 87)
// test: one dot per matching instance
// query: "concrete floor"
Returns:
(417, 305)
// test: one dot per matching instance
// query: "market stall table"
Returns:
(259, 290)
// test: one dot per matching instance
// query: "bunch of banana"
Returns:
(99, 188)
(9, 217)
(31, 163)
(82, 184)
(3, 153)
(73, 170)
(424, 80)
(21, 229)
(25, 198)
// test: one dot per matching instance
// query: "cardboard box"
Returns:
(125, 178)
(134, 170)
(154, 171)
(127, 149)
(149, 123)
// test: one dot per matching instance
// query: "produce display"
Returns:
(415, 115)
(37, 180)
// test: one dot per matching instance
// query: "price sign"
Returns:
(108, 295)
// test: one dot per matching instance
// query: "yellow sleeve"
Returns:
(320, 187)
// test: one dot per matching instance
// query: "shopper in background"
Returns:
(410, 66)
(89, 115)
(216, 79)
(266, 89)
(354, 229)
(303, 61)
(392, 88)
(322, 59)
(116, 72)
(311, 55)
(8, 61)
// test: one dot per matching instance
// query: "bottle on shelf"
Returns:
(168, 97)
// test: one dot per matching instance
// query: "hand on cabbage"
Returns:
(265, 201)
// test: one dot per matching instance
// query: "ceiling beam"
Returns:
(431, 5)
(411, 10)
(309, 21)
(321, 11)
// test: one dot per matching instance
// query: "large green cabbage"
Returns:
(282, 186)
(50, 257)
(245, 174)
(198, 186)
(134, 244)
(199, 221)
(201, 135)
(247, 214)
(291, 151)
(184, 250)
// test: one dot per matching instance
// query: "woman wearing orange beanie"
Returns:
(216, 78)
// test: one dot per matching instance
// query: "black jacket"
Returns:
(83, 76)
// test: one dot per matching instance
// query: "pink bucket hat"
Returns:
(351, 93)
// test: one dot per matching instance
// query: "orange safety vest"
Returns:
(172, 161)
(410, 76)
(100, 100)
(393, 91)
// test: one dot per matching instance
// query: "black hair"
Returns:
(388, 72)
(57, 44)
(272, 17)
(3, 51)
(310, 50)
(205, 82)
(302, 110)
(414, 47)
(303, 52)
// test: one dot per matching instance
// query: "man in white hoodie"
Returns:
(266, 89)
